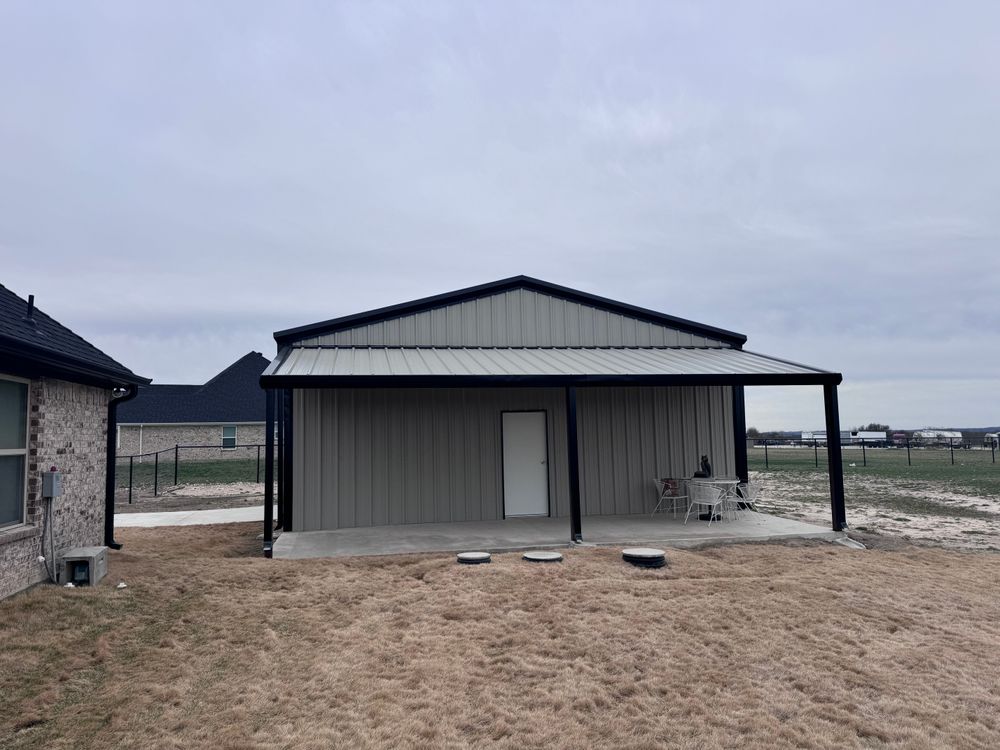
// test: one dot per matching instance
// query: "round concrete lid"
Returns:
(643, 552)
(471, 558)
(542, 556)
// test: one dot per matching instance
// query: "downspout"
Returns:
(131, 391)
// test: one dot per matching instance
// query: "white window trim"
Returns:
(236, 437)
(20, 452)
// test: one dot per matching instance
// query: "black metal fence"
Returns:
(181, 464)
(777, 450)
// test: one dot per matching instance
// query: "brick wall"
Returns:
(67, 429)
(165, 437)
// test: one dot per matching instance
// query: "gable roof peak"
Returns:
(290, 335)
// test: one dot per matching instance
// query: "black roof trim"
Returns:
(41, 344)
(34, 361)
(290, 335)
(541, 381)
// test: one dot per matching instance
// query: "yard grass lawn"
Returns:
(211, 646)
(218, 471)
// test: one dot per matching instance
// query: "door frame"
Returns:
(548, 475)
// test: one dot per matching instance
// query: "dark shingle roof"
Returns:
(234, 395)
(43, 346)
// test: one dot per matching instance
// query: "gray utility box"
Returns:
(83, 566)
(52, 484)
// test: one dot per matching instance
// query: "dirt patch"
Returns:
(194, 497)
(918, 511)
(741, 646)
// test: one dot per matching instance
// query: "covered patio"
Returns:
(515, 534)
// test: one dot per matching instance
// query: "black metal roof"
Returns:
(37, 345)
(290, 335)
(234, 395)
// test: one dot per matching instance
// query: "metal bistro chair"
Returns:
(706, 495)
(667, 492)
(748, 495)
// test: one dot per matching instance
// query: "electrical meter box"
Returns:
(83, 566)
(52, 484)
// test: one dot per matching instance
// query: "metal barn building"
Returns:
(516, 398)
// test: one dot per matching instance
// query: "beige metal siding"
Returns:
(520, 317)
(630, 435)
(370, 457)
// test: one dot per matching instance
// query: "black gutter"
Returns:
(131, 391)
(35, 361)
(494, 287)
(541, 381)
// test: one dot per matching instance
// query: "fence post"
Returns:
(864, 455)
(130, 460)
(816, 451)
(993, 451)
(258, 463)
(176, 452)
(951, 444)
(908, 462)
(156, 473)
(766, 464)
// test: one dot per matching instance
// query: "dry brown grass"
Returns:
(742, 646)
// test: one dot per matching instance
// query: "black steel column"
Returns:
(281, 459)
(740, 433)
(572, 448)
(269, 473)
(834, 459)
(289, 447)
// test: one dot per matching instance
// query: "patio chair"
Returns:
(748, 494)
(707, 496)
(667, 492)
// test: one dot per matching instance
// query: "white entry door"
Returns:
(525, 464)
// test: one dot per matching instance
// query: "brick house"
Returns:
(58, 395)
(225, 412)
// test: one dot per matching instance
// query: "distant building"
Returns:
(225, 412)
(58, 394)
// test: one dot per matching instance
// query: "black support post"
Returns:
(816, 452)
(130, 467)
(156, 473)
(740, 433)
(177, 451)
(572, 447)
(289, 455)
(269, 473)
(281, 459)
(835, 462)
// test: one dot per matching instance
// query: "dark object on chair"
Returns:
(706, 469)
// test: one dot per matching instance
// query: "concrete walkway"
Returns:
(190, 517)
(533, 533)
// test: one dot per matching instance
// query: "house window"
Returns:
(229, 437)
(13, 449)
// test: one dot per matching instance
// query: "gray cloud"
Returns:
(178, 180)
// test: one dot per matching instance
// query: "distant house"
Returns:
(225, 412)
(58, 395)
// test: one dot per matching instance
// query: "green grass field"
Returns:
(190, 472)
(931, 486)
(973, 470)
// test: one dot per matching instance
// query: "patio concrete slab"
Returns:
(518, 534)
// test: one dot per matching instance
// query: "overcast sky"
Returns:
(178, 180)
